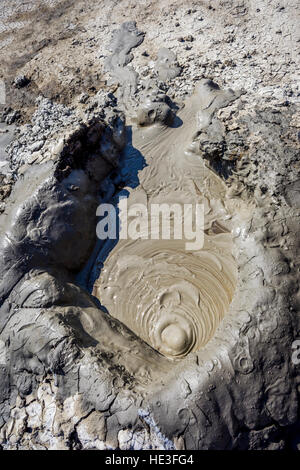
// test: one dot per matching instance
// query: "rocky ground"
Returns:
(60, 47)
(56, 81)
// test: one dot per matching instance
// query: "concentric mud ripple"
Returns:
(173, 299)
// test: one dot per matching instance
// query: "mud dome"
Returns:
(194, 349)
(172, 298)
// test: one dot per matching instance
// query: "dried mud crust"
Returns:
(51, 48)
(61, 45)
(71, 376)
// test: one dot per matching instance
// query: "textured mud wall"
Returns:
(74, 376)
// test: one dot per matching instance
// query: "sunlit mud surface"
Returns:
(174, 298)
(179, 347)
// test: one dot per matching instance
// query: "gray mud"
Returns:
(166, 64)
(211, 366)
(123, 41)
(6, 136)
(177, 298)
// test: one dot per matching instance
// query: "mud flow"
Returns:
(170, 296)
(180, 328)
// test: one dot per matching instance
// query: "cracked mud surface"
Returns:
(108, 110)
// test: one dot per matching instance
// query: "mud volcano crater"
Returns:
(140, 342)
(172, 299)
(170, 296)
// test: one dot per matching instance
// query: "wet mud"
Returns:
(143, 343)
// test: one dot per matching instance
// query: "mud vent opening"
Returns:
(173, 299)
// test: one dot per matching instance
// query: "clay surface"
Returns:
(166, 64)
(177, 297)
(142, 344)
